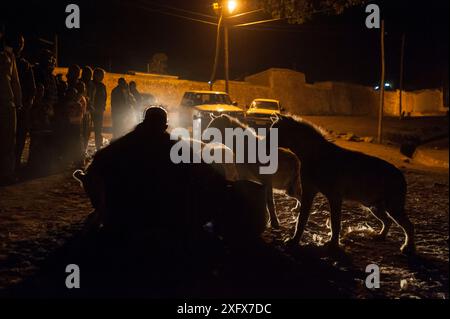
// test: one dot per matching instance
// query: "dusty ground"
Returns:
(38, 216)
(420, 128)
(427, 205)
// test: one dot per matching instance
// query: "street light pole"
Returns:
(55, 43)
(217, 53)
(402, 56)
(219, 8)
(227, 57)
(383, 70)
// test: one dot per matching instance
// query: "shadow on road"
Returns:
(144, 267)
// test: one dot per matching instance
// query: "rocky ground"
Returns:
(401, 277)
(39, 216)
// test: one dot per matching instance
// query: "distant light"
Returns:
(386, 85)
(209, 82)
(232, 5)
(216, 6)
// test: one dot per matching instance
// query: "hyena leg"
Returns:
(305, 209)
(335, 214)
(295, 191)
(274, 222)
(397, 213)
(403, 221)
(380, 213)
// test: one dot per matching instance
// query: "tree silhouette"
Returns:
(300, 11)
(158, 64)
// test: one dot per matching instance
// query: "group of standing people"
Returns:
(54, 113)
(126, 107)
(84, 98)
(57, 114)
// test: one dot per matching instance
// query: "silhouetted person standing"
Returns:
(98, 105)
(28, 86)
(86, 78)
(138, 106)
(61, 85)
(73, 76)
(121, 108)
(76, 117)
(10, 99)
(44, 77)
(41, 147)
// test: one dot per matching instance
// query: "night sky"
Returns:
(122, 35)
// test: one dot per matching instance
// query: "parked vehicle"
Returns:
(260, 111)
(200, 105)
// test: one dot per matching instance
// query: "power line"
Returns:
(288, 29)
(175, 15)
(243, 26)
(178, 9)
(255, 22)
(45, 41)
(245, 13)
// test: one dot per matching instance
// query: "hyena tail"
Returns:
(79, 176)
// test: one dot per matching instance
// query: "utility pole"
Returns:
(219, 8)
(227, 58)
(402, 56)
(383, 70)
(55, 43)
(224, 18)
(217, 53)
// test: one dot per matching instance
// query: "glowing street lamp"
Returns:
(232, 5)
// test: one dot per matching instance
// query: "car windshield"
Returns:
(194, 99)
(267, 105)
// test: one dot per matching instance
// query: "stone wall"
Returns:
(337, 98)
(290, 87)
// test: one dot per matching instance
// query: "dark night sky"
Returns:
(328, 48)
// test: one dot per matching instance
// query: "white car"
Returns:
(260, 111)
